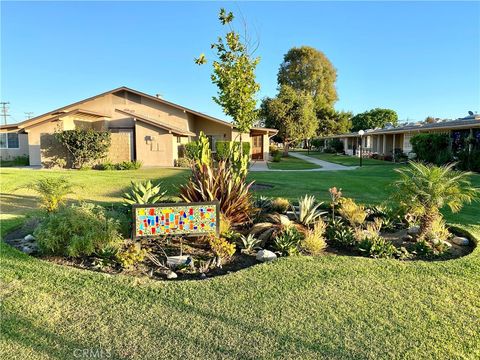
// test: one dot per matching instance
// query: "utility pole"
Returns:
(4, 104)
(29, 114)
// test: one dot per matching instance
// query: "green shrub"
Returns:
(277, 157)
(131, 255)
(144, 193)
(16, 161)
(52, 191)
(85, 145)
(124, 165)
(224, 148)
(287, 242)
(337, 145)
(280, 205)
(317, 143)
(469, 159)
(352, 212)
(430, 250)
(264, 204)
(377, 247)
(222, 249)
(191, 150)
(183, 162)
(78, 230)
(340, 234)
(432, 148)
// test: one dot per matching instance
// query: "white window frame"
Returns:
(7, 142)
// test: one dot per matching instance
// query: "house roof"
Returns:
(154, 122)
(42, 117)
(45, 117)
(461, 123)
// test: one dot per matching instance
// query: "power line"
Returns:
(4, 106)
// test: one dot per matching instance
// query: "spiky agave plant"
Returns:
(429, 188)
(308, 212)
(144, 193)
(221, 183)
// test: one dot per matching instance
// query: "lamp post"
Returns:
(361, 132)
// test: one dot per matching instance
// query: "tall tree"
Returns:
(308, 69)
(332, 122)
(234, 75)
(292, 112)
(375, 118)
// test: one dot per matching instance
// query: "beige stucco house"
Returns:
(143, 127)
(384, 141)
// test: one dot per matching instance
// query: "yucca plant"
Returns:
(426, 189)
(221, 183)
(308, 212)
(144, 193)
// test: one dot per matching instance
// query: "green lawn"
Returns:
(299, 307)
(347, 160)
(292, 163)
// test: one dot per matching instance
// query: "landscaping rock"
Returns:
(265, 256)
(414, 230)
(28, 250)
(462, 241)
(171, 275)
(29, 238)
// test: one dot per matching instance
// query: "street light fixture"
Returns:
(361, 132)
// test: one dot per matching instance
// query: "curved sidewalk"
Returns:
(325, 165)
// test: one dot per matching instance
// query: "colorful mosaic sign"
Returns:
(176, 219)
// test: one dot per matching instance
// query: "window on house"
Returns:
(8, 141)
(179, 139)
(12, 141)
(212, 141)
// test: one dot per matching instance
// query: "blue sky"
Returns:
(418, 58)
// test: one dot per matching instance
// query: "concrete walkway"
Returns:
(325, 165)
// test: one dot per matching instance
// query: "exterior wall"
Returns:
(154, 146)
(9, 154)
(35, 134)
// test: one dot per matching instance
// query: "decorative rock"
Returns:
(414, 230)
(171, 275)
(462, 241)
(29, 238)
(203, 276)
(27, 250)
(265, 255)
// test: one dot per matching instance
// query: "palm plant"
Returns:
(428, 188)
(308, 212)
(52, 191)
(144, 193)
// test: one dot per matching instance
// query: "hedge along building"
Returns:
(143, 127)
(384, 141)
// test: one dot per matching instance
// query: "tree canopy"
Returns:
(307, 69)
(332, 122)
(234, 75)
(292, 112)
(375, 118)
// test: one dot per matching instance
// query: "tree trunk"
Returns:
(285, 148)
(426, 222)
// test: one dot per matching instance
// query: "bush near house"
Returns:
(84, 145)
(223, 148)
(335, 146)
(432, 148)
(16, 161)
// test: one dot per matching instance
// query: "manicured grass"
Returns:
(326, 307)
(292, 163)
(347, 160)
